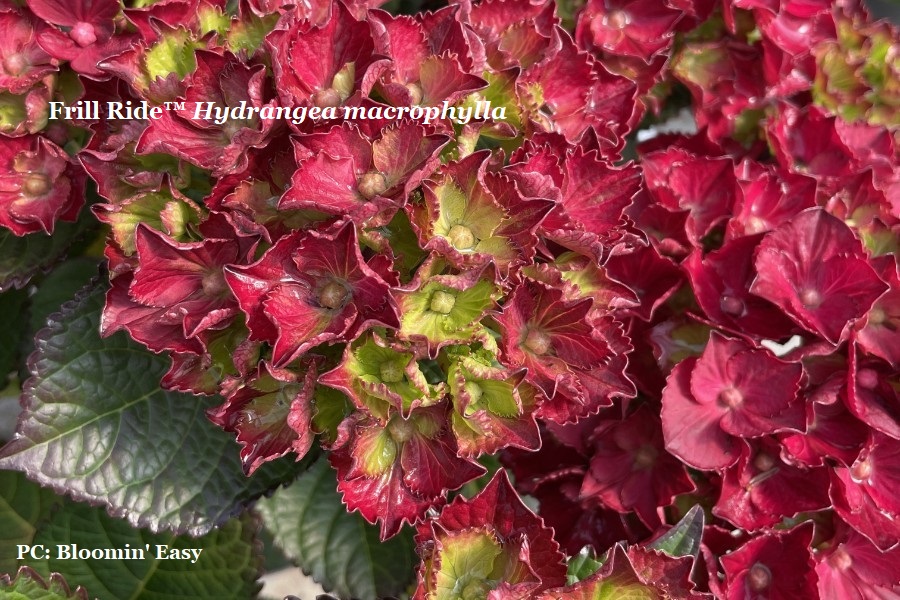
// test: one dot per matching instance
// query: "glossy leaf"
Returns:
(338, 549)
(684, 538)
(23, 257)
(227, 566)
(23, 505)
(144, 453)
(11, 327)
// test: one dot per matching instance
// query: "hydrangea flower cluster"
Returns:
(599, 313)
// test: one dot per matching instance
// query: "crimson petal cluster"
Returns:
(606, 315)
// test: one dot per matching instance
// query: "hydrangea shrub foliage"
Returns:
(538, 352)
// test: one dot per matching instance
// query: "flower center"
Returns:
(461, 237)
(759, 578)
(442, 302)
(841, 559)
(810, 298)
(214, 283)
(731, 305)
(326, 98)
(867, 379)
(756, 225)
(415, 92)
(14, 64)
(617, 19)
(537, 341)
(401, 430)
(36, 184)
(645, 457)
(764, 462)
(371, 185)
(877, 316)
(731, 397)
(391, 372)
(861, 471)
(83, 34)
(333, 295)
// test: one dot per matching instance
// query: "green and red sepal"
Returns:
(270, 413)
(381, 377)
(393, 470)
(439, 310)
(491, 542)
(636, 573)
(492, 406)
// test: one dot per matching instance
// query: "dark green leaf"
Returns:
(338, 549)
(133, 566)
(22, 257)
(28, 585)
(12, 326)
(23, 505)
(684, 538)
(58, 287)
(96, 425)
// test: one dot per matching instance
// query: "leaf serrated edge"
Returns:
(55, 324)
(55, 579)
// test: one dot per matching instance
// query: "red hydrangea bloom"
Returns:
(22, 61)
(865, 495)
(762, 489)
(721, 282)
(554, 477)
(639, 28)
(270, 413)
(872, 395)
(702, 185)
(592, 197)
(732, 391)
(878, 469)
(477, 545)
(88, 38)
(553, 338)
(878, 335)
(178, 289)
(395, 471)
(769, 196)
(807, 142)
(89, 21)
(855, 569)
(831, 433)
(580, 94)
(630, 469)
(790, 30)
(419, 72)
(38, 185)
(462, 219)
(725, 80)
(222, 147)
(345, 172)
(420, 294)
(324, 64)
(310, 288)
(814, 269)
(773, 566)
(515, 33)
(653, 277)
